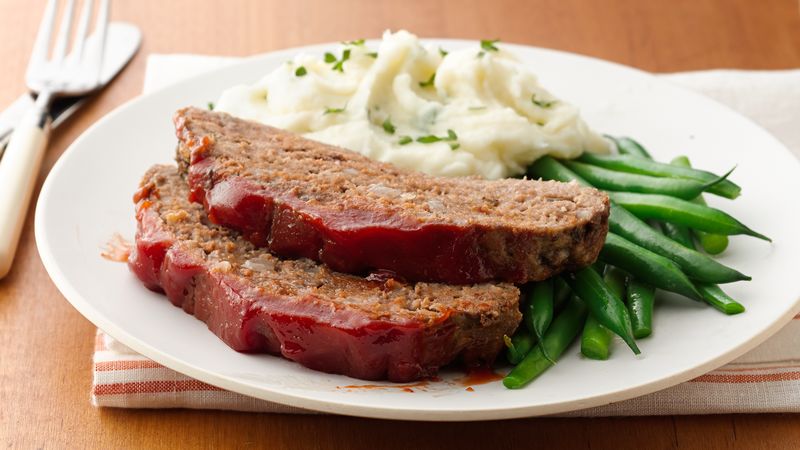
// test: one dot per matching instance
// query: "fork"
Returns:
(77, 74)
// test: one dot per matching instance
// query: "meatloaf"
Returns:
(369, 328)
(301, 198)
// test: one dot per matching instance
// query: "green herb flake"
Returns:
(388, 126)
(454, 146)
(354, 42)
(405, 140)
(443, 52)
(542, 103)
(339, 65)
(451, 135)
(429, 82)
(488, 45)
(301, 71)
(330, 58)
(372, 55)
(431, 138)
(334, 110)
(210, 106)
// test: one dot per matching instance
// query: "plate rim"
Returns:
(72, 295)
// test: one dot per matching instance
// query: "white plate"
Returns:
(87, 198)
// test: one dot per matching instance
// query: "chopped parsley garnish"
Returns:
(329, 57)
(372, 54)
(451, 135)
(429, 81)
(334, 110)
(388, 126)
(210, 106)
(405, 140)
(431, 138)
(301, 71)
(355, 42)
(339, 65)
(443, 52)
(454, 146)
(542, 103)
(488, 45)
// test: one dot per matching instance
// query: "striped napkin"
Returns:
(765, 380)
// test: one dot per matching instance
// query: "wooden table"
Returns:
(46, 346)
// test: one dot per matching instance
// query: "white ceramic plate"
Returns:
(87, 198)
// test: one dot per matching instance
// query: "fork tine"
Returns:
(63, 32)
(101, 27)
(83, 29)
(42, 43)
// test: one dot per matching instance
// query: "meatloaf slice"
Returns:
(256, 302)
(302, 198)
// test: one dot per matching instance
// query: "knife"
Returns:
(122, 42)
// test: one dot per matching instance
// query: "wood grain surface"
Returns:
(46, 346)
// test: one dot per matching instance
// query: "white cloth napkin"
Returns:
(765, 380)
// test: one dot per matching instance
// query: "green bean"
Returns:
(519, 345)
(550, 169)
(615, 280)
(635, 164)
(556, 339)
(539, 310)
(671, 209)
(678, 233)
(711, 242)
(524, 340)
(681, 161)
(628, 146)
(715, 297)
(648, 266)
(596, 339)
(606, 307)
(561, 293)
(640, 295)
(641, 299)
(695, 264)
(632, 182)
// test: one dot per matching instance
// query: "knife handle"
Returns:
(19, 170)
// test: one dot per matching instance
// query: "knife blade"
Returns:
(122, 42)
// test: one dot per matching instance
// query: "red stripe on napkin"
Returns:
(759, 378)
(149, 387)
(105, 366)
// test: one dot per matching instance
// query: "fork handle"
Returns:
(19, 170)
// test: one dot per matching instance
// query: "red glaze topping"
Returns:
(341, 341)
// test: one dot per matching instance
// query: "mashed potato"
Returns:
(477, 111)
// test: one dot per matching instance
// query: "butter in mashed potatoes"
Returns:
(476, 111)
